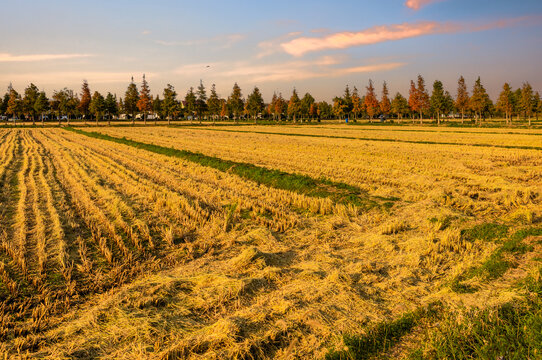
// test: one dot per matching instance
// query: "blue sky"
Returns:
(315, 46)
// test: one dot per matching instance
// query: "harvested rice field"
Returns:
(270, 242)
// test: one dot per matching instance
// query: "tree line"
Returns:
(66, 105)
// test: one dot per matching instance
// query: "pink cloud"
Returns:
(377, 34)
(417, 4)
(342, 40)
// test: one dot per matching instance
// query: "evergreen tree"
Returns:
(357, 104)
(505, 103)
(479, 101)
(526, 101)
(399, 105)
(235, 102)
(41, 106)
(348, 104)
(144, 104)
(31, 94)
(462, 98)
(438, 100)
(255, 104)
(110, 106)
(131, 98)
(201, 101)
(214, 104)
(385, 104)
(423, 97)
(84, 103)
(190, 102)
(371, 102)
(294, 105)
(169, 104)
(306, 103)
(15, 104)
(97, 106)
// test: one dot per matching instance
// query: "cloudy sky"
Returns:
(317, 46)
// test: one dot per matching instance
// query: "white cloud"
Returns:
(5, 57)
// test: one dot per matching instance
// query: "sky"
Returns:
(315, 46)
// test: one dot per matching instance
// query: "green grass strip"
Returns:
(375, 139)
(301, 184)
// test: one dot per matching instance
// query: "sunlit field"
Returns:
(259, 242)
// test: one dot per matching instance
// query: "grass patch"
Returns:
(510, 331)
(498, 262)
(301, 184)
(485, 232)
(382, 336)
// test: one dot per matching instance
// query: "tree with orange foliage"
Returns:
(371, 102)
(145, 102)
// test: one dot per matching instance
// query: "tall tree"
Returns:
(371, 102)
(505, 103)
(537, 106)
(479, 101)
(347, 101)
(272, 105)
(281, 107)
(169, 104)
(385, 104)
(294, 105)
(4, 104)
(438, 100)
(97, 106)
(325, 110)
(462, 98)
(255, 104)
(236, 103)
(31, 94)
(357, 104)
(306, 103)
(157, 108)
(59, 103)
(41, 106)
(15, 104)
(201, 101)
(526, 102)
(413, 101)
(213, 104)
(190, 102)
(84, 103)
(110, 106)
(423, 97)
(144, 104)
(399, 105)
(131, 98)
(339, 107)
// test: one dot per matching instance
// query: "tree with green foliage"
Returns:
(479, 101)
(385, 104)
(190, 103)
(438, 100)
(31, 94)
(281, 107)
(294, 106)
(41, 106)
(236, 103)
(526, 101)
(131, 97)
(462, 98)
(4, 104)
(59, 103)
(339, 107)
(144, 104)
(169, 103)
(325, 110)
(15, 104)
(214, 104)
(306, 103)
(423, 98)
(371, 102)
(201, 101)
(110, 106)
(255, 103)
(505, 103)
(399, 106)
(84, 103)
(347, 101)
(357, 104)
(97, 106)
(537, 104)
(516, 101)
